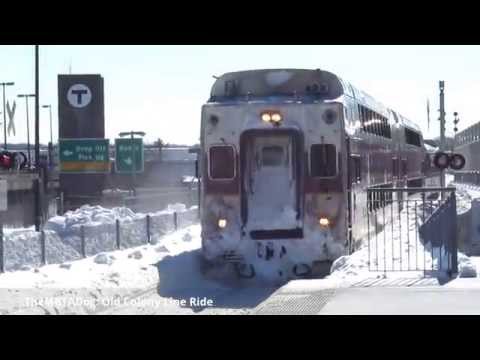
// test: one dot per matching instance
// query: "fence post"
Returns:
(82, 240)
(117, 233)
(2, 257)
(42, 245)
(175, 221)
(148, 229)
(454, 240)
(61, 203)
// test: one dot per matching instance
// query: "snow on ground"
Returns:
(99, 279)
(163, 278)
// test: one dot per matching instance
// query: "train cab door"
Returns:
(271, 186)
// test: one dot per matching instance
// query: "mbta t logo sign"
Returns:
(79, 95)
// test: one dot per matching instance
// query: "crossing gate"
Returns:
(412, 229)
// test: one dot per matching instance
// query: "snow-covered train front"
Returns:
(277, 163)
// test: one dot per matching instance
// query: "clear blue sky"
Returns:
(160, 89)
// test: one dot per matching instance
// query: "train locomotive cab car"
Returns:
(286, 156)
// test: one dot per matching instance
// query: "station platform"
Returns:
(429, 296)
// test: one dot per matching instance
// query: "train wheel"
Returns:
(457, 162)
(441, 160)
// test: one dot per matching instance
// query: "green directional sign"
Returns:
(129, 159)
(84, 156)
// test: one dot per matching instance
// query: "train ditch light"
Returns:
(443, 160)
(222, 223)
(324, 222)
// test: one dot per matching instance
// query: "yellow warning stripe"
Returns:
(85, 166)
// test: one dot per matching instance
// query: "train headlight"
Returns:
(266, 117)
(276, 117)
(324, 222)
(222, 223)
(272, 117)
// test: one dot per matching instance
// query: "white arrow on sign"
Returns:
(127, 161)
(67, 153)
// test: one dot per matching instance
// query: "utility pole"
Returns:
(442, 133)
(38, 205)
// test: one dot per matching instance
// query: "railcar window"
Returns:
(374, 123)
(273, 156)
(412, 137)
(323, 160)
(222, 162)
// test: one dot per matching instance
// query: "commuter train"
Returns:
(286, 156)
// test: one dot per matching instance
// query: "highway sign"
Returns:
(126, 161)
(86, 156)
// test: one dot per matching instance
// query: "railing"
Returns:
(412, 229)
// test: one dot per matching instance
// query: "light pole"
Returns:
(132, 134)
(4, 115)
(26, 96)
(38, 198)
(441, 85)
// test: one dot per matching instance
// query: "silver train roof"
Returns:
(302, 83)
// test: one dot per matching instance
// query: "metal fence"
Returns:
(89, 241)
(412, 229)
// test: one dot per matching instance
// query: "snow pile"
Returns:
(104, 259)
(465, 194)
(466, 268)
(88, 215)
(23, 248)
(97, 226)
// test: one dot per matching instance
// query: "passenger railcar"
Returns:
(286, 157)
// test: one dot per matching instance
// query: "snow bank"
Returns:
(97, 225)
(466, 268)
(23, 248)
